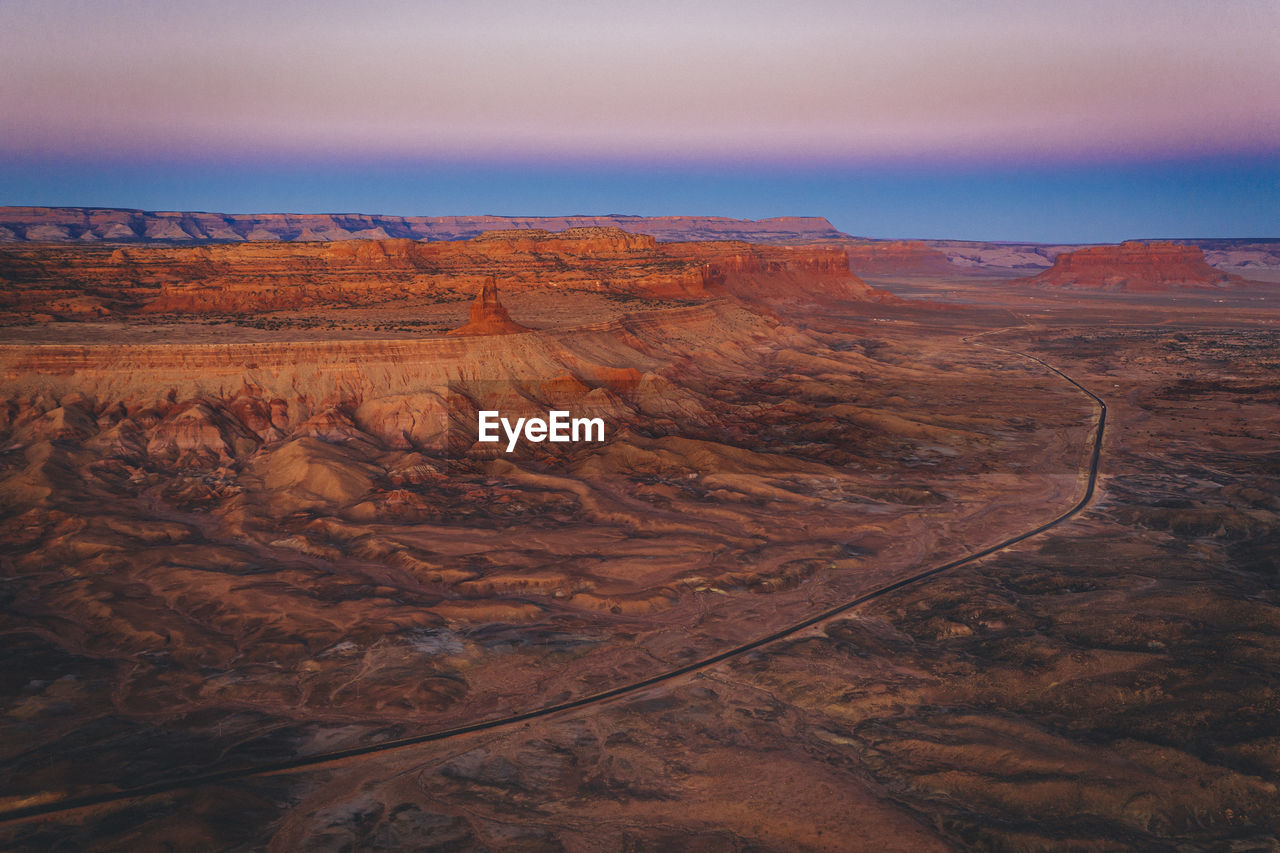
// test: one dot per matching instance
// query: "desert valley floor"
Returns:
(888, 546)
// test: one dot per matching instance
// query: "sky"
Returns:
(1074, 121)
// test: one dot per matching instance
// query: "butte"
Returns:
(488, 316)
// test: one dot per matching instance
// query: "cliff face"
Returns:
(1134, 266)
(92, 225)
(788, 275)
(892, 257)
(319, 374)
(78, 282)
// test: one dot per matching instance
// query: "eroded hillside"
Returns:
(257, 549)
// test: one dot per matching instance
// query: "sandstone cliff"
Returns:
(88, 281)
(1134, 266)
(786, 274)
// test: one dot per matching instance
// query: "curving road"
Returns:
(79, 802)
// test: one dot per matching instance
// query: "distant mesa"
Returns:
(891, 257)
(583, 241)
(1134, 266)
(488, 317)
(116, 225)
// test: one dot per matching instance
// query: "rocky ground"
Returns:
(219, 582)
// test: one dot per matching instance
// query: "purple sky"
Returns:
(893, 84)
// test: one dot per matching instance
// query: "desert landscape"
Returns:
(891, 544)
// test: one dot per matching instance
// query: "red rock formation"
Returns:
(488, 317)
(892, 257)
(582, 242)
(786, 274)
(79, 282)
(1134, 266)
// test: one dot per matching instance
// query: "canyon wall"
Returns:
(86, 282)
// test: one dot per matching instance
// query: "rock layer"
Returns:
(1134, 266)
(889, 257)
(116, 225)
(85, 282)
